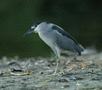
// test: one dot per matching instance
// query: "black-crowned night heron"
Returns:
(56, 38)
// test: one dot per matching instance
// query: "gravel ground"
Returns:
(81, 73)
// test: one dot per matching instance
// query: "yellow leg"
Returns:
(56, 68)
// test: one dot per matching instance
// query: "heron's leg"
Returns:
(57, 52)
(56, 68)
(57, 58)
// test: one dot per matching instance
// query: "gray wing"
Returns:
(65, 41)
(60, 30)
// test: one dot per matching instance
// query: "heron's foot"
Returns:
(55, 73)
(61, 72)
(58, 72)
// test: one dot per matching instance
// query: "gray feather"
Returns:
(60, 30)
(65, 41)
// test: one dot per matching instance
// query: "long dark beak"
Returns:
(28, 32)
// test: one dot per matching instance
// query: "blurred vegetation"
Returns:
(81, 18)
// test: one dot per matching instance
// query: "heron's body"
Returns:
(56, 38)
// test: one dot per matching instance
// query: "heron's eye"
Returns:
(33, 27)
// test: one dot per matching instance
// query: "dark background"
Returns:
(81, 18)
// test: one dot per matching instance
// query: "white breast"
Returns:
(47, 39)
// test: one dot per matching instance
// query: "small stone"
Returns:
(63, 80)
(66, 86)
(41, 72)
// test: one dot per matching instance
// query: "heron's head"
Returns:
(38, 27)
(32, 29)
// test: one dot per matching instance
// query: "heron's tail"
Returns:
(79, 48)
